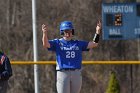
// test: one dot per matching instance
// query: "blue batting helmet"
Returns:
(66, 25)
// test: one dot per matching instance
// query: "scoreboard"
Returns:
(120, 21)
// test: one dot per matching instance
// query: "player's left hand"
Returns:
(98, 27)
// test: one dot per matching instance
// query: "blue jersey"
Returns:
(68, 53)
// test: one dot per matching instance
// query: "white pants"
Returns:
(69, 81)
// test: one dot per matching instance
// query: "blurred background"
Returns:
(16, 40)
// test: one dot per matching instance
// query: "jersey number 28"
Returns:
(70, 54)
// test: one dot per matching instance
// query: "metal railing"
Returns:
(83, 62)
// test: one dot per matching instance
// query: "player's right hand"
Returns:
(44, 28)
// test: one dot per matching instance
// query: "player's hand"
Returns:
(44, 28)
(98, 27)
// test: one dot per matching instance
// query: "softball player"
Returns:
(5, 72)
(68, 56)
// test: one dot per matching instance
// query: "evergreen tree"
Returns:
(113, 86)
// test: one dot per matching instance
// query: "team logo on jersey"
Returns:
(70, 48)
(74, 47)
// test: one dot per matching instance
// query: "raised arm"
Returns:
(45, 41)
(94, 43)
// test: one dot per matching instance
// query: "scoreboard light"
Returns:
(120, 21)
(114, 20)
(109, 20)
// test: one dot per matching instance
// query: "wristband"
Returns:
(96, 38)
